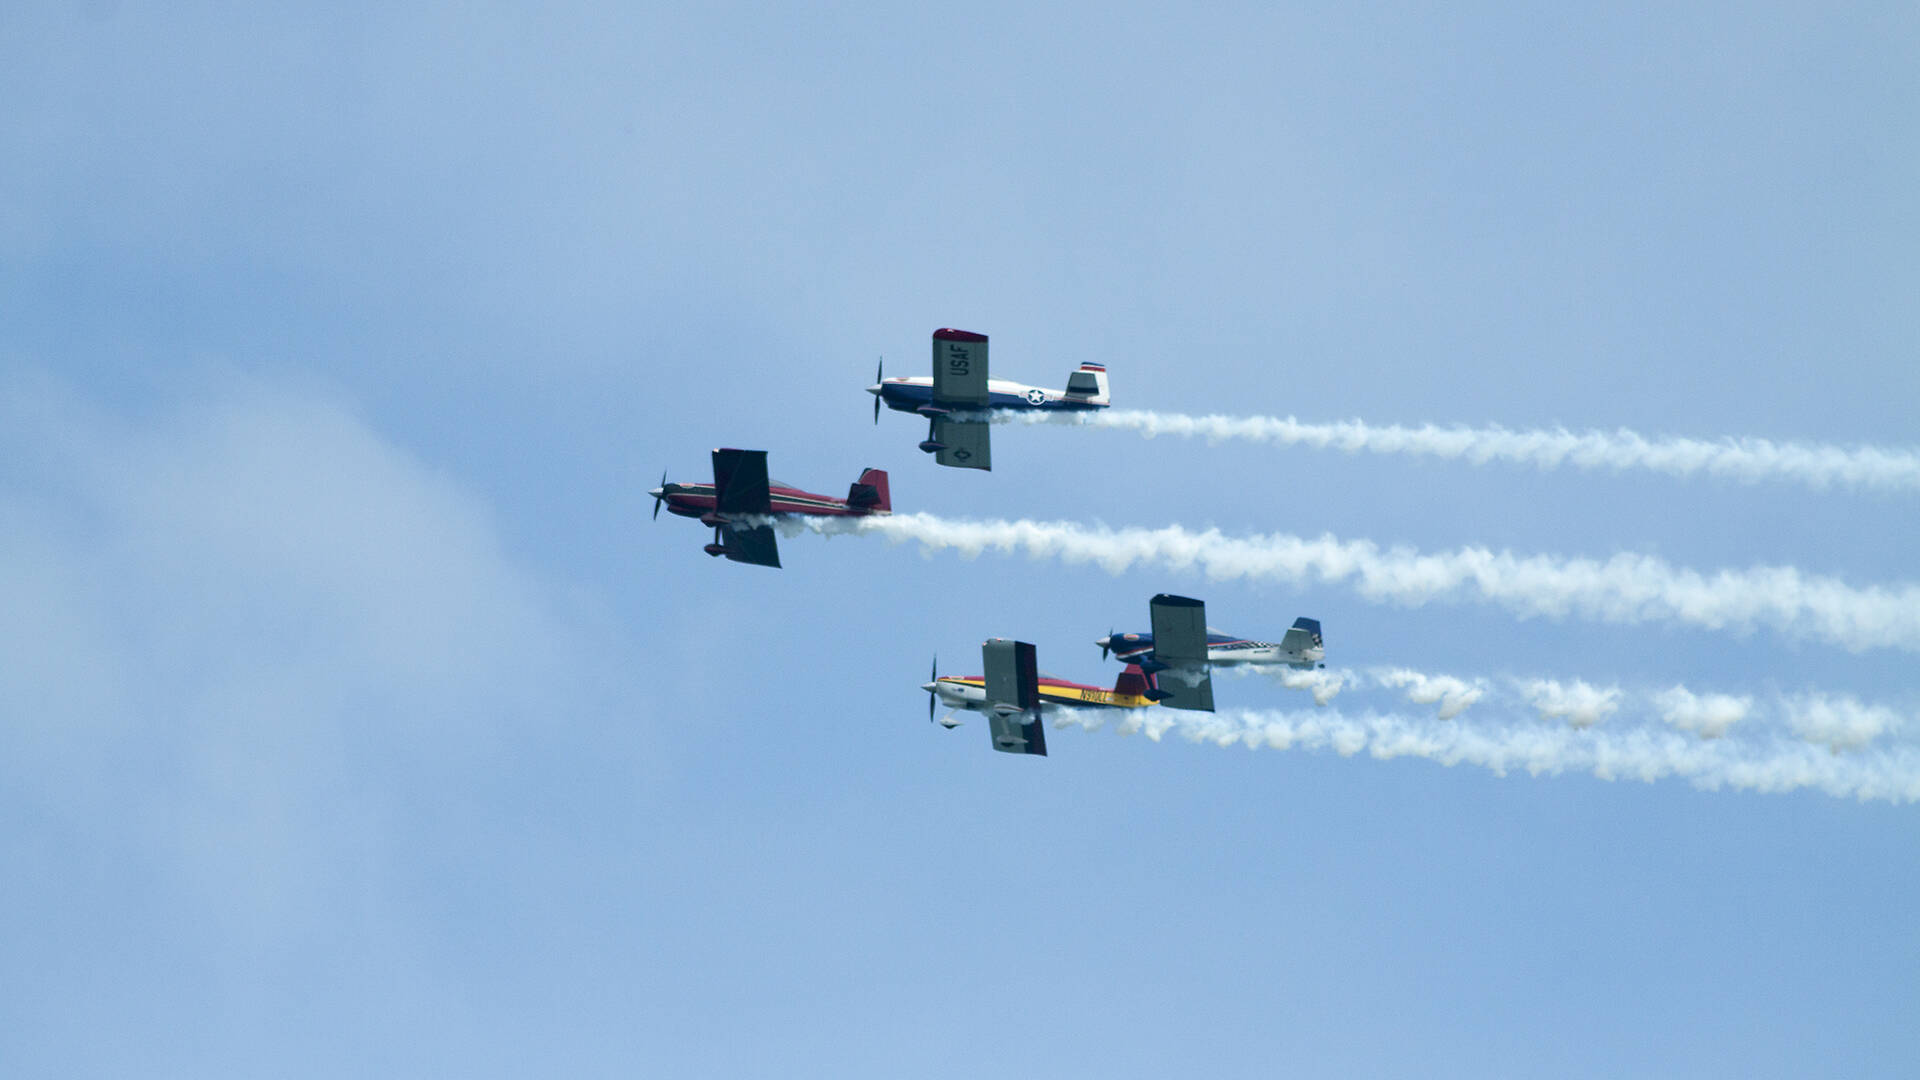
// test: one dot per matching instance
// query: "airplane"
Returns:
(1183, 642)
(1013, 695)
(740, 497)
(957, 399)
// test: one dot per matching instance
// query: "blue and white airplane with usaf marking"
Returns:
(1183, 647)
(960, 396)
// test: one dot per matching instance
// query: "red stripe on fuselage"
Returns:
(697, 499)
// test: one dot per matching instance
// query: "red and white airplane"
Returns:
(740, 496)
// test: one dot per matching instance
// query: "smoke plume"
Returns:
(1640, 753)
(1747, 460)
(1454, 695)
(1706, 715)
(1579, 703)
(1626, 588)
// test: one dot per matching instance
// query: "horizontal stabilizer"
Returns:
(1304, 635)
(1132, 682)
(870, 492)
(1089, 384)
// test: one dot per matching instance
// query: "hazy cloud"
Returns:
(231, 613)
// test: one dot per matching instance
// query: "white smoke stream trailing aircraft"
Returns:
(1765, 762)
(1839, 722)
(1625, 588)
(1746, 460)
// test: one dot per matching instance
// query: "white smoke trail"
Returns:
(1642, 753)
(1706, 715)
(1582, 704)
(1322, 684)
(1839, 723)
(1454, 695)
(1748, 460)
(1626, 588)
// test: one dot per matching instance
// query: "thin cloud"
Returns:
(260, 598)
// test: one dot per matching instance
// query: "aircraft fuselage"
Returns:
(698, 501)
(1221, 649)
(970, 692)
(914, 394)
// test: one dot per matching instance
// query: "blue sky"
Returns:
(356, 717)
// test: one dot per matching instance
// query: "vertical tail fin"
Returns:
(1304, 642)
(870, 492)
(1132, 681)
(1088, 384)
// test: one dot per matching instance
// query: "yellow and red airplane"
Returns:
(1013, 695)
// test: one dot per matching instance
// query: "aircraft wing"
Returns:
(959, 368)
(740, 482)
(1179, 629)
(1013, 697)
(754, 545)
(1180, 642)
(967, 443)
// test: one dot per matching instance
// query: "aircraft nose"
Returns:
(658, 493)
(930, 687)
(874, 389)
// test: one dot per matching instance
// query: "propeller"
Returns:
(658, 499)
(1106, 644)
(877, 381)
(934, 678)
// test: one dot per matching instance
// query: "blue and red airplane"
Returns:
(1185, 649)
(959, 397)
(740, 498)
